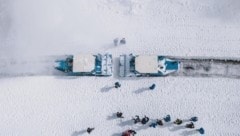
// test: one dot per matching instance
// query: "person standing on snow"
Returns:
(167, 118)
(190, 125)
(119, 114)
(117, 85)
(178, 122)
(194, 119)
(129, 132)
(152, 87)
(154, 124)
(136, 120)
(132, 131)
(123, 41)
(201, 131)
(115, 42)
(145, 120)
(89, 130)
(159, 122)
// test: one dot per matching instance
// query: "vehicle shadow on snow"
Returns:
(66, 77)
(78, 133)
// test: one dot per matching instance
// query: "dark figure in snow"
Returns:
(119, 115)
(152, 87)
(194, 119)
(167, 118)
(136, 120)
(201, 131)
(159, 122)
(115, 41)
(178, 122)
(117, 85)
(133, 132)
(89, 130)
(145, 120)
(129, 132)
(190, 125)
(153, 125)
(123, 41)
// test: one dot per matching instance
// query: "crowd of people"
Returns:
(189, 123)
(154, 124)
(159, 122)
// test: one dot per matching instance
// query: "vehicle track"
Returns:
(190, 67)
(37, 66)
(204, 67)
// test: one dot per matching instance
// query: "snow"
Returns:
(146, 64)
(83, 63)
(66, 106)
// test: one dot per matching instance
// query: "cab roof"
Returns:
(146, 63)
(83, 63)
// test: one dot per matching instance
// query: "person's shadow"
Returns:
(176, 128)
(107, 88)
(166, 125)
(126, 123)
(188, 133)
(117, 134)
(141, 90)
(78, 133)
(113, 116)
(143, 127)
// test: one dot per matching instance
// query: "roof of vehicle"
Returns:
(146, 63)
(83, 63)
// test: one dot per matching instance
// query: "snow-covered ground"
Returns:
(66, 106)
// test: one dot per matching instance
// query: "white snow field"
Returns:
(66, 106)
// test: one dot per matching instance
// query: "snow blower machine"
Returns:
(86, 65)
(147, 65)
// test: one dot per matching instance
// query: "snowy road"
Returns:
(229, 68)
(38, 66)
(195, 67)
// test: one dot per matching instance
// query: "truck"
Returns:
(147, 65)
(85, 65)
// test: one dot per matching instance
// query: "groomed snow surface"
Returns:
(66, 106)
